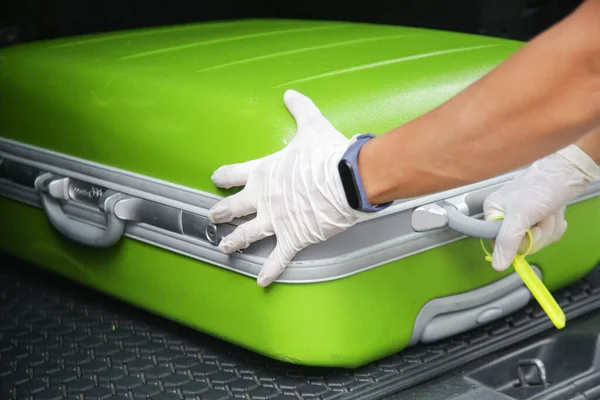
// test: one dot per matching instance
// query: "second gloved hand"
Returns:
(296, 193)
(536, 199)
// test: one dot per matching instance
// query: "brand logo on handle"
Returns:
(93, 193)
(85, 192)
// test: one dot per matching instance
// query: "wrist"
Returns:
(352, 179)
(372, 177)
(581, 160)
(590, 144)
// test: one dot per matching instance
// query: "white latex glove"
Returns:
(296, 193)
(536, 199)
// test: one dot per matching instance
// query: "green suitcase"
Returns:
(108, 143)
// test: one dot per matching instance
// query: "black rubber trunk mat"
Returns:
(59, 340)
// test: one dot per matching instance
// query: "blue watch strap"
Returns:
(350, 159)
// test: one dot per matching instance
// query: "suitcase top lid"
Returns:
(175, 103)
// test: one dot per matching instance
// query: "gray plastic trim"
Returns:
(443, 317)
(189, 199)
(174, 218)
(450, 324)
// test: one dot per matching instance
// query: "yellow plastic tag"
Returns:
(535, 285)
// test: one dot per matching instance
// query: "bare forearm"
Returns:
(590, 144)
(543, 98)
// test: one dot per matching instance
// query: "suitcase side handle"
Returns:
(447, 214)
(471, 226)
(51, 187)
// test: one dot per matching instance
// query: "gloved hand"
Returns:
(536, 199)
(296, 193)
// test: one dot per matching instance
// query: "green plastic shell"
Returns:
(176, 103)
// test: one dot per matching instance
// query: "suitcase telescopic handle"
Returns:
(445, 214)
(51, 187)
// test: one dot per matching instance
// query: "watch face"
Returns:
(349, 184)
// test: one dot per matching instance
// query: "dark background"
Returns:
(29, 20)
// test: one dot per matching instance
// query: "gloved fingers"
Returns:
(560, 226)
(553, 228)
(537, 234)
(546, 228)
(234, 206)
(301, 107)
(274, 265)
(491, 210)
(246, 234)
(233, 175)
(508, 241)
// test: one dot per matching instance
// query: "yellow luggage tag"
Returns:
(535, 285)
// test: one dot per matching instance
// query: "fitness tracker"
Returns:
(351, 181)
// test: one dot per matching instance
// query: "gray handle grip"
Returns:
(471, 226)
(80, 232)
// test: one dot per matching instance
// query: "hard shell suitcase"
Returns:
(108, 143)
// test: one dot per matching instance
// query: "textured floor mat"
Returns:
(58, 340)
